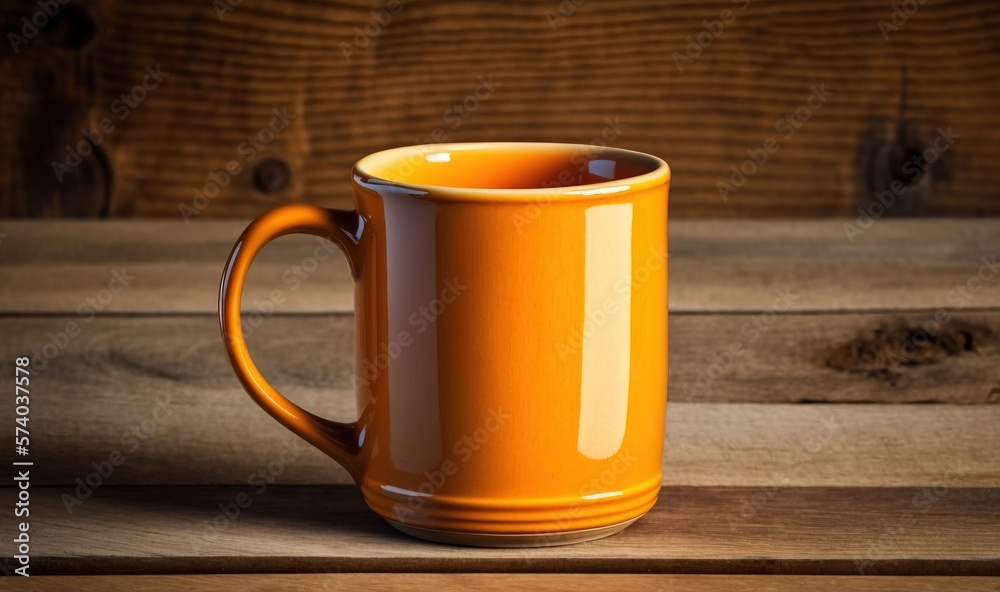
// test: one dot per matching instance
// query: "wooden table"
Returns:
(826, 456)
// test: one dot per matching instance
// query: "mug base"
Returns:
(546, 539)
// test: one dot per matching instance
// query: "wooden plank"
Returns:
(417, 582)
(844, 358)
(92, 398)
(57, 266)
(794, 358)
(715, 266)
(895, 265)
(795, 531)
(617, 60)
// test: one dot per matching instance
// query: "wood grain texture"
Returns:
(49, 90)
(715, 266)
(835, 487)
(559, 72)
(835, 358)
(422, 582)
(807, 531)
(810, 358)
(94, 396)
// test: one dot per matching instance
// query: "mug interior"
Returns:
(508, 166)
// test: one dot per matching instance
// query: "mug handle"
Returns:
(342, 227)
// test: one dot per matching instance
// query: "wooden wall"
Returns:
(548, 70)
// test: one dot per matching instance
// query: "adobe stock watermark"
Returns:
(624, 288)
(293, 278)
(123, 106)
(697, 44)
(752, 330)
(256, 485)
(598, 487)
(920, 503)
(454, 116)
(419, 321)
(752, 504)
(786, 126)
(901, 13)
(580, 164)
(435, 478)
(914, 168)
(377, 22)
(130, 441)
(47, 10)
(562, 12)
(248, 150)
(87, 310)
(957, 298)
(963, 293)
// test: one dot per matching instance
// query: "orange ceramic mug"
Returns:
(511, 318)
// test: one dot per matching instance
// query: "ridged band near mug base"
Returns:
(547, 539)
(535, 519)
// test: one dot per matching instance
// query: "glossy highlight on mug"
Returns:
(511, 331)
(606, 365)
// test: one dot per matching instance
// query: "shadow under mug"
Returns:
(511, 334)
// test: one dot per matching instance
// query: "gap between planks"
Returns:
(111, 377)
(54, 266)
(791, 358)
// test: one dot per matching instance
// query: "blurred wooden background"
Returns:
(661, 77)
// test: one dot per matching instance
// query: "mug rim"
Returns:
(362, 175)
